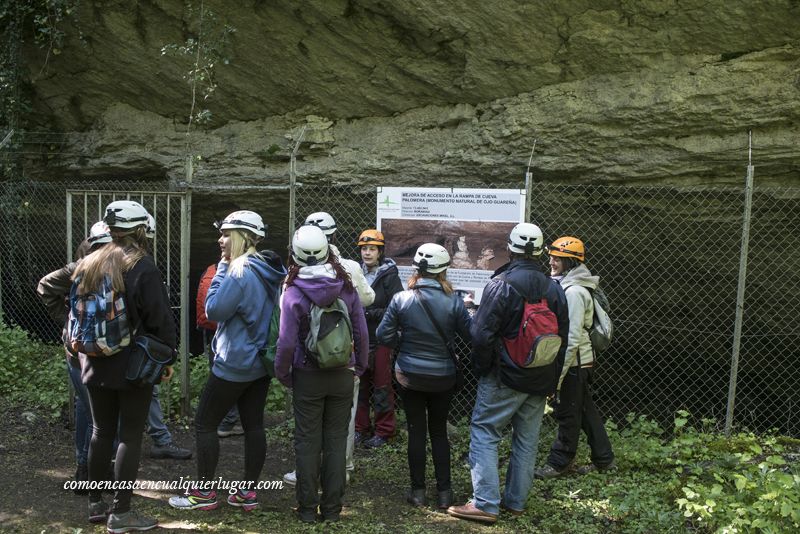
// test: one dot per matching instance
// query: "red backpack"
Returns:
(537, 342)
(202, 290)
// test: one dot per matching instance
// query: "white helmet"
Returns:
(125, 214)
(431, 258)
(244, 220)
(526, 238)
(150, 230)
(309, 245)
(323, 220)
(99, 234)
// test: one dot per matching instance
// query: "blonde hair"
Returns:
(115, 259)
(243, 244)
(441, 277)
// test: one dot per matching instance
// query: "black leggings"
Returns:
(217, 398)
(426, 413)
(125, 410)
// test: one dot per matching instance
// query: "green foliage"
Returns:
(205, 50)
(32, 373)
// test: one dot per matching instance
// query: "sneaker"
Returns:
(81, 475)
(548, 471)
(129, 522)
(98, 512)
(591, 468)
(169, 451)
(360, 437)
(195, 500)
(244, 500)
(290, 478)
(470, 511)
(375, 442)
(226, 432)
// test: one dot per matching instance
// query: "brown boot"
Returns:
(470, 511)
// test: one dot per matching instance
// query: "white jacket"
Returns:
(365, 292)
(581, 313)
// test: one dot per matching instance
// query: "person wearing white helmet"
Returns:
(325, 222)
(508, 393)
(241, 299)
(429, 314)
(53, 290)
(118, 408)
(322, 398)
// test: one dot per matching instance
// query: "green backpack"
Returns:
(329, 342)
(267, 354)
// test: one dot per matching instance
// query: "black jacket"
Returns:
(148, 307)
(499, 316)
(386, 284)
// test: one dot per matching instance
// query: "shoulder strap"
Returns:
(436, 325)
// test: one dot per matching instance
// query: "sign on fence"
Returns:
(472, 224)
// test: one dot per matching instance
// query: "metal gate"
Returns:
(170, 249)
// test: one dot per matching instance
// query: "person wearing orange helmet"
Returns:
(576, 409)
(376, 383)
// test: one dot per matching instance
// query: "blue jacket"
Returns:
(499, 316)
(242, 307)
(421, 348)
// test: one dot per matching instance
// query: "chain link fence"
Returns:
(668, 258)
(44, 222)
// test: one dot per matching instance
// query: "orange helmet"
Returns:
(567, 247)
(370, 237)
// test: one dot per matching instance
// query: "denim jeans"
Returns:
(83, 416)
(156, 428)
(495, 406)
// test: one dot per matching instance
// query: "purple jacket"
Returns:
(315, 284)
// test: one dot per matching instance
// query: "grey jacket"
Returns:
(581, 312)
(421, 349)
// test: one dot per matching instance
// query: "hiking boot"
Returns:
(375, 442)
(515, 513)
(470, 511)
(360, 437)
(195, 500)
(169, 451)
(548, 471)
(246, 500)
(228, 431)
(290, 478)
(416, 497)
(591, 468)
(98, 512)
(444, 499)
(129, 522)
(81, 475)
(306, 515)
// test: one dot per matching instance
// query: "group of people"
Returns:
(334, 406)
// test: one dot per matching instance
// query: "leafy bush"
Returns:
(32, 373)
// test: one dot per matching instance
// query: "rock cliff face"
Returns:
(424, 91)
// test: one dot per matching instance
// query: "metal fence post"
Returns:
(293, 181)
(186, 224)
(737, 326)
